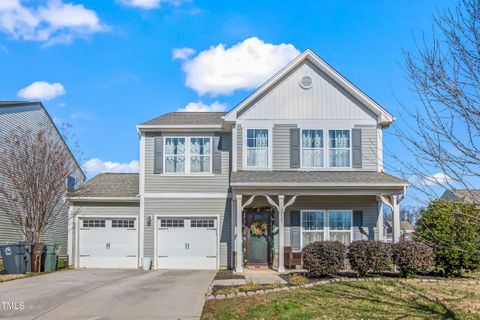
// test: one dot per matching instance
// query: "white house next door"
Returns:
(187, 243)
(108, 243)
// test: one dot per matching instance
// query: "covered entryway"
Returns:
(108, 242)
(187, 243)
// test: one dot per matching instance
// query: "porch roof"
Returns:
(315, 179)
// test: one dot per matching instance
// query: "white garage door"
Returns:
(108, 243)
(187, 243)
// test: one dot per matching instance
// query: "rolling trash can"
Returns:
(36, 257)
(50, 258)
(16, 257)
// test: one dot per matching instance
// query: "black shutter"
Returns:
(217, 155)
(294, 148)
(295, 231)
(358, 218)
(158, 155)
(357, 148)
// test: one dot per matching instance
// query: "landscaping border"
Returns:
(211, 296)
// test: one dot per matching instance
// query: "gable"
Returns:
(325, 100)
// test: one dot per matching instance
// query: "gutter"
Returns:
(104, 199)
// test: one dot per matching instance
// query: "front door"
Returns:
(257, 235)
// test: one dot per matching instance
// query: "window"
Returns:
(174, 155)
(202, 223)
(340, 223)
(313, 226)
(200, 154)
(188, 154)
(339, 148)
(312, 149)
(93, 223)
(257, 148)
(123, 223)
(71, 183)
(171, 223)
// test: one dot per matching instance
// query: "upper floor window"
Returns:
(71, 183)
(257, 148)
(188, 154)
(339, 148)
(312, 149)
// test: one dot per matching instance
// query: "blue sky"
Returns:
(105, 66)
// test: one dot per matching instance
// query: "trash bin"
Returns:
(146, 263)
(50, 258)
(36, 257)
(16, 257)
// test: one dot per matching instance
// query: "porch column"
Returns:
(281, 233)
(395, 220)
(380, 221)
(238, 234)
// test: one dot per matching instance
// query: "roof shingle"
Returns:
(110, 185)
(188, 118)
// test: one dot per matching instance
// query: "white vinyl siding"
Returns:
(187, 155)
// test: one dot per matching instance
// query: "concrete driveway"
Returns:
(107, 294)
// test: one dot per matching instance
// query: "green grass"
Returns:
(357, 300)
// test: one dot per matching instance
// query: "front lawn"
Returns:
(355, 300)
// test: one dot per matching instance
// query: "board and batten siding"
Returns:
(155, 207)
(324, 100)
(215, 183)
(34, 118)
(100, 209)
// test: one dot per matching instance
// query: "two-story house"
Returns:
(297, 161)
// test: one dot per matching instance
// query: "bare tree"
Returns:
(34, 168)
(442, 133)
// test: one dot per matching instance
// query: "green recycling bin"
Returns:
(50, 257)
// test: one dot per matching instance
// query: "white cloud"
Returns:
(201, 107)
(150, 4)
(246, 65)
(55, 22)
(182, 53)
(95, 166)
(437, 178)
(42, 90)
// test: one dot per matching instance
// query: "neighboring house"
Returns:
(406, 230)
(469, 196)
(33, 116)
(298, 160)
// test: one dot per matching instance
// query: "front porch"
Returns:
(270, 225)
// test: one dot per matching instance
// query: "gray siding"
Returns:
(100, 209)
(369, 147)
(325, 100)
(179, 207)
(281, 146)
(31, 117)
(239, 147)
(157, 183)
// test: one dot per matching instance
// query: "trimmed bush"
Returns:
(323, 258)
(297, 280)
(453, 230)
(369, 256)
(412, 257)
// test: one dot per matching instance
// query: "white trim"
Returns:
(187, 156)
(179, 126)
(141, 223)
(234, 148)
(270, 148)
(189, 195)
(156, 217)
(384, 116)
(104, 199)
(316, 184)
(71, 226)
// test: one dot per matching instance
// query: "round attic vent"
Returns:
(306, 82)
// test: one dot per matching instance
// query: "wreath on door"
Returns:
(258, 228)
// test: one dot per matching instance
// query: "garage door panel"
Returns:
(187, 243)
(108, 243)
